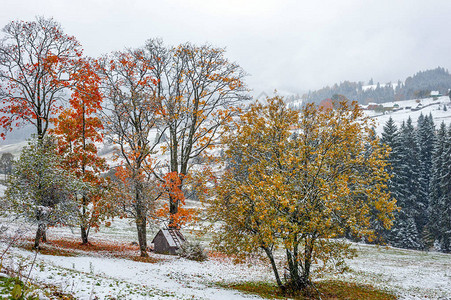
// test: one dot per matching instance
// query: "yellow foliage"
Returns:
(300, 188)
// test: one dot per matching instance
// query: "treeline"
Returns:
(419, 85)
(420, 165)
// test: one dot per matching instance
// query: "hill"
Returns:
(420, 85)
(401, 110)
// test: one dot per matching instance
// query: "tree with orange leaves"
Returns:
(78, 129)
(131, 112)
(37, 63)
(199, 91)
(170, 191)
(298, 181)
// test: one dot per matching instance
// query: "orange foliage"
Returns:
(78, 129)
(172, 190)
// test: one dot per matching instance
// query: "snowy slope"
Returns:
(429, 106)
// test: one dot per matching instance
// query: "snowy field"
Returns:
(429, 106)
(409, 274)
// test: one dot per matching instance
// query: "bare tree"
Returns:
(131, 112)
(199, 91)
(36, 63)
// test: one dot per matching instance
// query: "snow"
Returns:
(173, 278)
(429, 106)
(171, 241)
(410, 274)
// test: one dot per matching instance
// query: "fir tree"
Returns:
(436, 193)
(425, 136)
(407, 191)
(405, 232)
(442, 204)
(390, 137)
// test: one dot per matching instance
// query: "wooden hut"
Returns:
(168, 241)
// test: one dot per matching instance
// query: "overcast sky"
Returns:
(291, 46)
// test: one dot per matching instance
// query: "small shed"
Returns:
(168, 241)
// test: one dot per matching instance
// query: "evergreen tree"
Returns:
(407, 191)
(440, 207)
(445, 199)
(425, 135)
(436, 178)
(390, 137)
(405, 232)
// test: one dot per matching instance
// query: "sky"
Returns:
(284, 45)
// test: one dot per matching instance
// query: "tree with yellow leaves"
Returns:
(298, 181)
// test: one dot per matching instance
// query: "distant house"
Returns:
(435, 94)
(168, 241)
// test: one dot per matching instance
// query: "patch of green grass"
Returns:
(328, 289)
(13, 288)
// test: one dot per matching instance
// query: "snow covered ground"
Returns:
(410, 274)
(87, 277)
(429, 106)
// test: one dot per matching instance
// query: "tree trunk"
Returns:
(274, 268)
(295, 283)
(305, 278)
(142, 238)
(84, 226)
(39, 234)
(44, 233)
(173, 209)
(84, 234)
(141, 219)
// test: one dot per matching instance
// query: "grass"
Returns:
(328, 289)
(47, 249)
(13, 288)
(71, 247)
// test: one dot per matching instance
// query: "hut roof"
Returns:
(173, 237)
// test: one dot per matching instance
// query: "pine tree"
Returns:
(445, 202)
(405, 232)
(435, 193)
(440, 208)
(407, 190)
(390, 137)
(425, 136)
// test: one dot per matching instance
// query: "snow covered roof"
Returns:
(174, 240)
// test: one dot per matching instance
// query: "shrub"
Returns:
(192, 251)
